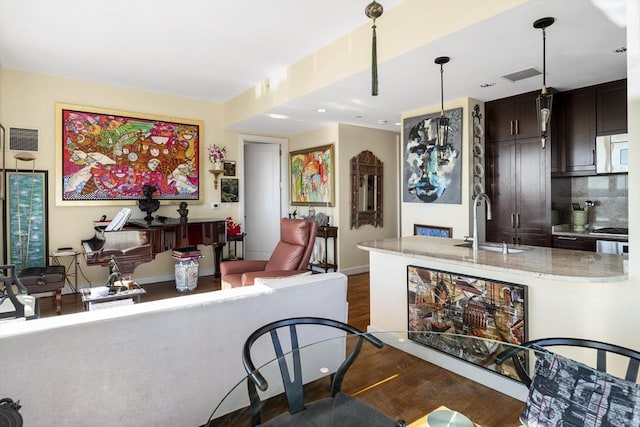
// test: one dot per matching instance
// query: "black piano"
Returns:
(139, 242)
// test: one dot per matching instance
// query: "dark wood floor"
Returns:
(408, 396)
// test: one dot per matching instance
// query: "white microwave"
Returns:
(612, 153)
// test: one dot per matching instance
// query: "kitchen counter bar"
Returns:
(534, 261)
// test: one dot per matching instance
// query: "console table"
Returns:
(327, 232)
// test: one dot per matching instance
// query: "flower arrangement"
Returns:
(216, 154)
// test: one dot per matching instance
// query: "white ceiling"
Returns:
(217, 49)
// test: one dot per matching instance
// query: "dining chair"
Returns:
(338, 409)
(601, 349)
(566, 392)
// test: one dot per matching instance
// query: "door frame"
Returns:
(283, 143)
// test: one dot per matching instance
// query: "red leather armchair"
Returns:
(290, 256)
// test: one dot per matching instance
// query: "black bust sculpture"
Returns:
(149, 204)
(183, 211)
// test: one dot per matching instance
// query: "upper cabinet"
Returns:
(580, 115)
(512, 118)
(611, 107)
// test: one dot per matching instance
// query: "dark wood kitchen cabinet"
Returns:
(578, 116)
(611, 107)
(518, 184)
(575, 242)
(511, 118)
(518, 173)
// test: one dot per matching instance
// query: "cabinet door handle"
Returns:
(517, 127)
(567, 238)
(517, 220)
(513, 225)
(593, 157)
(511, 130)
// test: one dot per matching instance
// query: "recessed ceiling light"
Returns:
(487, 84)
(382, 122)
(622, 49)
(321, 110)
(398, 123)
(278, 116)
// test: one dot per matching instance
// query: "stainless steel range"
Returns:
(614, 240)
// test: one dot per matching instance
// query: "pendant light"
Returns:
(442, 122)
(544, 102)
(373, 11)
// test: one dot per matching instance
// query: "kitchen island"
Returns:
(569, 293)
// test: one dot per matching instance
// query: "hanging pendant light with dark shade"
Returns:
(373, 11)
(544, 101)
(442, 122)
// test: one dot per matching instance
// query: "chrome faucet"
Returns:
(476, 203)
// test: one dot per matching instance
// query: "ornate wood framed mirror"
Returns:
(366, 190)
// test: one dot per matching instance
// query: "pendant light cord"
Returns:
(441, 91)
(544, 57)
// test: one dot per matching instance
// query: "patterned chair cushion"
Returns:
(568, 393)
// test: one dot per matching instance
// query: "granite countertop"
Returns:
(534, 261)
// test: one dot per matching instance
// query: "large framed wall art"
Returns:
(27, 238)
(107, 156)
(311, 174)
(444, 307)
(432, 173)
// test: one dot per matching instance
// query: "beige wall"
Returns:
(28, 101)
(349, 141)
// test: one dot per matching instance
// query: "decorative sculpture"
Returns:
(149, 204)
(183, 211)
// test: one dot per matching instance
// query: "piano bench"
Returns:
(45, 279)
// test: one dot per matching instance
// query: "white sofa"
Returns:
(165, 362)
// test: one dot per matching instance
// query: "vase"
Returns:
(218, 166)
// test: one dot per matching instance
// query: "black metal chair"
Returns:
(601, 348)
(339, 409)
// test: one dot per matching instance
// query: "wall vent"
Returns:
(523, 74)
(23, 139)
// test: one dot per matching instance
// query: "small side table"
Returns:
(235, 239)
(71, 269)
(327, 232)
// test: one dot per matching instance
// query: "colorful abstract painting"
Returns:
(107, 155)
(432, 174)
(311, 172)
(444, 307)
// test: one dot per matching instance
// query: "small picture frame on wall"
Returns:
(229, 190)
(229, 168)
(432, 230)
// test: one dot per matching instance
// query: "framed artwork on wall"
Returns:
(27, 239)
(311, 174)
(432, 230)
(229, 168)
(432, 173)
(108, 156)
(452, 305)
(229, 191)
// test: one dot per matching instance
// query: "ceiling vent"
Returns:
(23, 139)
(523, 74)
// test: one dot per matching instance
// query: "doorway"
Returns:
(265, 193)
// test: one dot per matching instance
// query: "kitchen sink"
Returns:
(490, 248)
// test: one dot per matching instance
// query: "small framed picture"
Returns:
(229, 190)
(432, 230)
(229, 168)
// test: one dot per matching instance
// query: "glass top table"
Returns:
(100, 297)
(393, 381)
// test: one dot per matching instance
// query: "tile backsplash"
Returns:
(609, 192)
